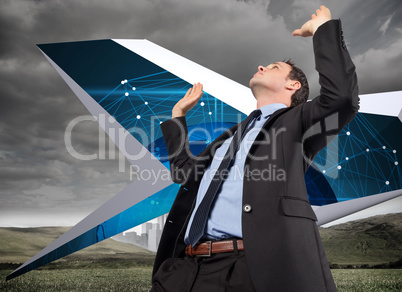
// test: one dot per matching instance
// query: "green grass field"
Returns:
(132, 279)
(372, 280)
(138, 279)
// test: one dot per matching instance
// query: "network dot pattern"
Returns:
(362, 161)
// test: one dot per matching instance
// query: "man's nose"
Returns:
(261, 68)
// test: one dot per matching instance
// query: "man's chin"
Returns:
(251, 82)
(254, 83)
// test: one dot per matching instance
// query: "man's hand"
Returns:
(310, 27)
(188, 101)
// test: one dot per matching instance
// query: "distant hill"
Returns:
(367, 242)
(362, 243)
(17, 245)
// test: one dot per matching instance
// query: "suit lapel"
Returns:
(274, 116)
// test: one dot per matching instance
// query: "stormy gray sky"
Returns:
(42, 184)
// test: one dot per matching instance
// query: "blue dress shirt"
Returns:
(225, 216)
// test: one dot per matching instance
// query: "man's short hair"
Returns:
(301, 95)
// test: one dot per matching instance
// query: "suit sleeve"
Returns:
(338, 102)
(181, 159)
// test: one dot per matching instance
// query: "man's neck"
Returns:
(263, 102)
(264, 98)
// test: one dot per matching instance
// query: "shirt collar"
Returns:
(269, 109)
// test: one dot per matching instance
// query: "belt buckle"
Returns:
(209, 250)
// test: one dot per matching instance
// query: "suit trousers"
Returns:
(222, 272)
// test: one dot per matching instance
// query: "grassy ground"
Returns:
(138, 279)
(372, 280)
(133, 279)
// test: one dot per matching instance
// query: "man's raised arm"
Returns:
(338, 102)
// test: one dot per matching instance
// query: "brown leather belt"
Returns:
(205, 249)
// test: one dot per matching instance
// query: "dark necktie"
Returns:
(201, 215)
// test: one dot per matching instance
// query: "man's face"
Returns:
(272, 77)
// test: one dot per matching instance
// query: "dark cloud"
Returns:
(39, 176)
(377, 69)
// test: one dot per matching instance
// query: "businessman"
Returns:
(257, 232)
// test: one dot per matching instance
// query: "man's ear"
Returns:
(293, 85)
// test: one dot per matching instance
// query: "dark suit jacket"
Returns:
(283, 248)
